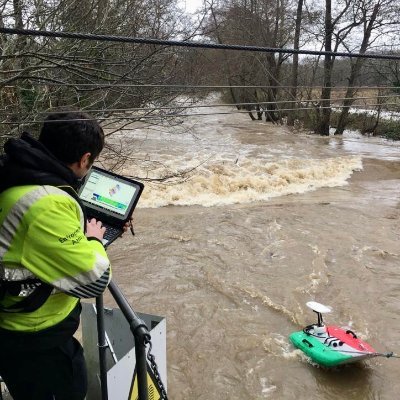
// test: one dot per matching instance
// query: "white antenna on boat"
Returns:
(319, 309)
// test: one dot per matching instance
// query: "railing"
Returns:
(142, 338)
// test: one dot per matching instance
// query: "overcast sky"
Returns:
(191, 5)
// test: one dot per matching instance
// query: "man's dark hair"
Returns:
(69, 135)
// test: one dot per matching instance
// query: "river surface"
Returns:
(263, 221)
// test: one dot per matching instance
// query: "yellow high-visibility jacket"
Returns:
(42, 236)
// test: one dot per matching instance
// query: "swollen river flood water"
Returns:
(265, 220)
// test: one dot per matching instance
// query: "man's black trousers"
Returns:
(57, 373)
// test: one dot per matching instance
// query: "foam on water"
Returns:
(267, 388)
(269, 303)
(222, 181)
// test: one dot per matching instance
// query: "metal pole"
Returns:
(102, 344)
(141, 335)
(141, 367)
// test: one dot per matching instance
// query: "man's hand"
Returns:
(95, 229)
(129, 225)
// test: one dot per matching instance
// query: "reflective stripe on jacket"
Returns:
(41, 235)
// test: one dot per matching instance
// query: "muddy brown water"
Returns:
(269, 221)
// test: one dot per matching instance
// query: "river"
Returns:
(264, 221)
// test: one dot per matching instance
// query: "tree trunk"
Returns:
(354, 74)
(226, 64)
(295, 67)
(325, 116)
(252, 116)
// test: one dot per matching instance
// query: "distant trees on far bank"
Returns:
(309, 89)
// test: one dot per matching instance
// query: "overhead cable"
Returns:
(177, 43)
(183, 86)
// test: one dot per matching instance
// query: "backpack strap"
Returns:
(41, 292)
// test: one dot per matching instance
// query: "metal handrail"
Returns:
(141, 337)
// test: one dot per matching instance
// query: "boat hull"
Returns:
(334, 347)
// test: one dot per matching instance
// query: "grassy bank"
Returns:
(362, 122)
(368, 125)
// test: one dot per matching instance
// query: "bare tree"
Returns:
(253, 22)
(374, 16)
(39, 74)
(295, 66)
(343, 22)
(324, 119)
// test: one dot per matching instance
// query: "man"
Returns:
(50, 257)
